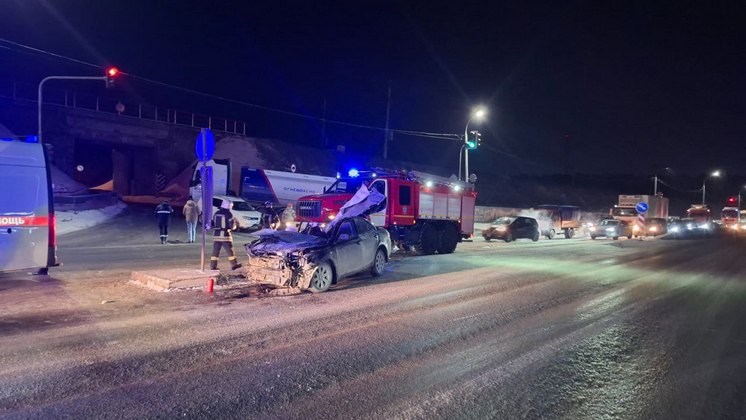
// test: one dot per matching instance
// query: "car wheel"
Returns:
(508, 237)
(593, 236)
(536, 236)
(487, 238)
(615, 238)
(322, 278)
(551, 233)
(379, 263)
(629, 236)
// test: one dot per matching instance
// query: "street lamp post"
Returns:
(714, 174)
(478, 114)
(109, 74)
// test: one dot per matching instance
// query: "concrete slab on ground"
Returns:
(175, 278)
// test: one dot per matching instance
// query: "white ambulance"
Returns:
(27, 225)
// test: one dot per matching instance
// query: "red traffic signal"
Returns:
(111, 73)
(731, 201)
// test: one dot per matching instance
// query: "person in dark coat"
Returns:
(223, 223)
(163, 214)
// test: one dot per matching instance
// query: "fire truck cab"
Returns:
(422, 212)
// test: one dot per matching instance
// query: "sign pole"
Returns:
(642, 208)
(204, 203)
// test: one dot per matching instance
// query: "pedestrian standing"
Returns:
(223, 223)
(163, 213)
(191, 214)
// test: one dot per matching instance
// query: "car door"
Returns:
(348, 249)
(369, 239)
(520, 228)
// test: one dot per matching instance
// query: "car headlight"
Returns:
(734, 227)
(500, 228)
(635, 228)
(331, 217)
(674, 229)
(704, 226)
(654, 228)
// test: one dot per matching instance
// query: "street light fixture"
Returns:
(477, 114)
(110, 74)
(714, 174)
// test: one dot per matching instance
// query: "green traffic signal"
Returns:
(471, 145)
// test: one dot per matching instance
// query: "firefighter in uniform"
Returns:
(223, 223)
(163, 213)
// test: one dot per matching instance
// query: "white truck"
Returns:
(625, 207)
(279, 188)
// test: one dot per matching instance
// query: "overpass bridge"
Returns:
(135, 145)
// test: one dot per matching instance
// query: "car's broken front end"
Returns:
(284, 259)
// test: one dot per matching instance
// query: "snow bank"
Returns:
(63, 184)
(68, 221)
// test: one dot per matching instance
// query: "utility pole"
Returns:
(387, 133)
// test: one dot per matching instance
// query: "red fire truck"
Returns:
(424, 212)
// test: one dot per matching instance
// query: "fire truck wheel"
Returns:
(448, 239)
(322, 278)
(569, 233)
(550, 234)
(427, 243)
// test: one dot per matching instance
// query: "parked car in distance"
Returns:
(315, 260)
(245, 215)
(611, 228)
(655, 226)
(509, 228)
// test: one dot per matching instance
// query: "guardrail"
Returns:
(70, 99)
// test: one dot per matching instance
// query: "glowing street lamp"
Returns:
(477, 114)
(714, 174)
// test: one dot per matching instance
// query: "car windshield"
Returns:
(609, 222)
(503, 221)
(242, 206)
(345, 186)
(624, 211)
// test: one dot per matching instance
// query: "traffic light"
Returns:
(474, 140)
(732, 201)
(111, 73)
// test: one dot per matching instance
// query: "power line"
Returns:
(442, 136)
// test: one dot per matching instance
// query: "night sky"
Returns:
(624, 87)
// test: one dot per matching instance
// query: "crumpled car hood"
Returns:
(280, 241)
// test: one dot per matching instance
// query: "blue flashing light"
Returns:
(353, 173)
(32, 139)
(6, 139)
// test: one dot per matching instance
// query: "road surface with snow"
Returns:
(574, 329)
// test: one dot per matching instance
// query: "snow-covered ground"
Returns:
(69, 221)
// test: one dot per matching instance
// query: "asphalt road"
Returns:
(554, 329)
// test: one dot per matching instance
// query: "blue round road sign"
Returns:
(209, 145)
(641, 207)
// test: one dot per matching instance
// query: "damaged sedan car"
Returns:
(315, 260)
